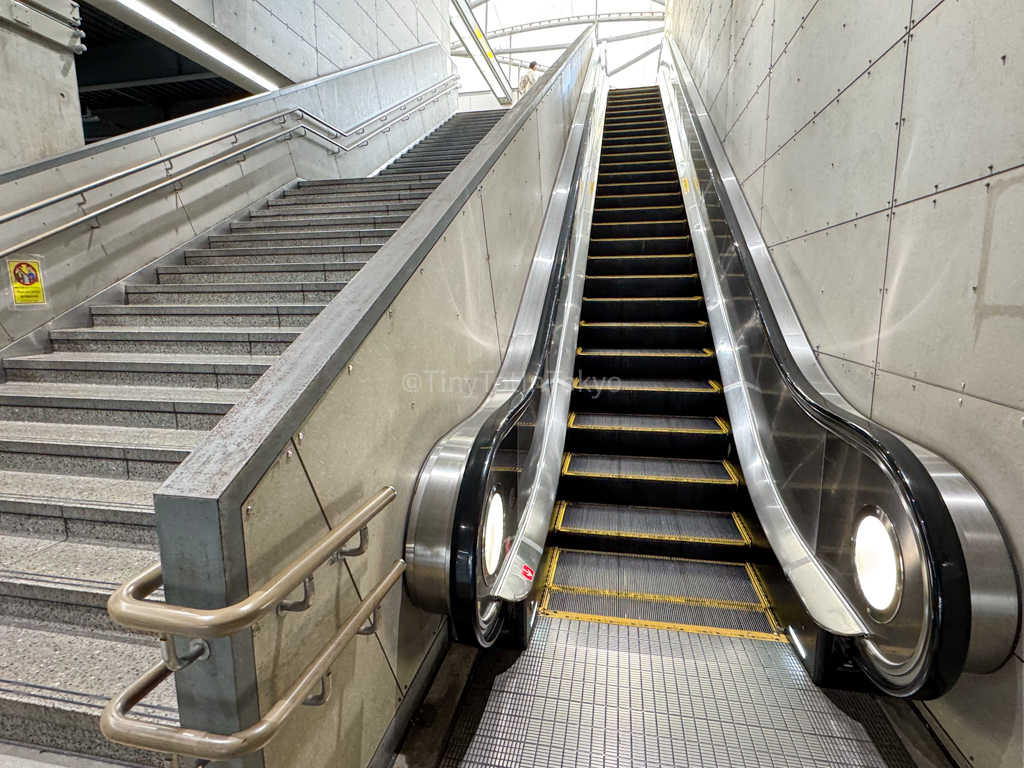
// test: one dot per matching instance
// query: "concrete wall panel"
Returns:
(964, 80)
(834, 279)
(839, 41)
(811, 186)
(513, 211)
(954, 307)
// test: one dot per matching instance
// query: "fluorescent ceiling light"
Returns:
(197, 42)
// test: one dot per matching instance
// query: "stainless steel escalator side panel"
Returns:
(814, 465)
(432, 516)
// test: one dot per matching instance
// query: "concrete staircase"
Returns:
(90, 430)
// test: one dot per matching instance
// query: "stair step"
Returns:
(171, 340)
(115, 406)
(234, 293)
(211, 315)
(348, 198)
(705, 437)
(55, 686)
(641, 286)
(281, 254)
(321, 237)
(64, 582)
(205, 371)
(327, 271)
(647, 481)
(78, 508)
(130, 453)
(372, 184)
(647, 363)
(381, 208)
(315, 183)
(319, 224)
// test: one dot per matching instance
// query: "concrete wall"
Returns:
(83, 261)
(303, 39)
(880, 146)
(39, 112)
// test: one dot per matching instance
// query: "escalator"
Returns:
(652, 524)
(656, 639)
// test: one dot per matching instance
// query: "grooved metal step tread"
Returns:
(66, 572)
(663, 578)
(116, 441)
(615, 422)
(658, 592)
(653, 523)
(650, 468)
(649, 385)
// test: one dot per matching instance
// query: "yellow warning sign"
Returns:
(26, 281)
(686, 185)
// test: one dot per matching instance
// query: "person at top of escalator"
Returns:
(531, 76)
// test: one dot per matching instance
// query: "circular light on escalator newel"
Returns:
(494, 532)
(876, 554)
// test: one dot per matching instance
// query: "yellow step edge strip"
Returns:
(651, 194)
(742, 528)
(638, 222)
(734, 472)
(692, 629)
(723, 428)
(648, 208)
(732, 605)
(643, 298)
(567, 472)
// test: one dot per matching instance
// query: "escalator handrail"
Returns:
(947, 507)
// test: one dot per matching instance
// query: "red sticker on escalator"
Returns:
(527, 573)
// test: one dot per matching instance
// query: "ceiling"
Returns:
(128, 81)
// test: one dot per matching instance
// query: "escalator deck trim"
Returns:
(719, 617)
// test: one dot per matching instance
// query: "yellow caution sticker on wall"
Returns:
(686, 185)
(26, 277)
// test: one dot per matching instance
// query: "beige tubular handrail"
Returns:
(330, 134)
(129, 608)
(117, 726)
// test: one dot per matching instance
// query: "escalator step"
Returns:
(639, 187)
(641, 286)
(660, 614)
(618, 215)
(647, 264)
(644, 335)
(649, 481)
(647, 363)
(644, 176)
(701, 437)
(640, 228)
(693, 581)
(637, 246)
(654, 396)
(644, 200)
(654, 523)
(686, 308)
